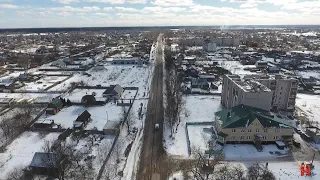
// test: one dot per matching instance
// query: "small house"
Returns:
(314, 134)
(111, 128)
(45, 164)
(43, 123)
(113, 92)
(54, 106)
(199, 83)
(82, 120)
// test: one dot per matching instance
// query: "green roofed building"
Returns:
(245, 124)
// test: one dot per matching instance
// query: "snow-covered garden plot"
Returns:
(124, 75)
(97, 146)
(128, 94)
(99, 115)
(249, 152)
(197, 109)
(18, 96)
(43, 83)
(201, 108)
(20, 152)
(77, 94)
(310, 106)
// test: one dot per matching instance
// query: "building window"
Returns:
(248, 137)
(242, 137)
(265, 130)
(257, 130)
(233, 130)
(249, 130)
(232, 137)
(243, 130)
(275, 137)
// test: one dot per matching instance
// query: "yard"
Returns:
(77, 94)
(197, 109)
(20, 152)
(43, 83)
(99, 115)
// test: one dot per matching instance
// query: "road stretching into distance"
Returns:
(152, 148)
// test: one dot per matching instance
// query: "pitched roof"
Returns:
(44, 160)
(83, 116)
(242, 116)
(114, 89)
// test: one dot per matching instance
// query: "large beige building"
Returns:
(236, 91)
(284, 90)
(245, 124)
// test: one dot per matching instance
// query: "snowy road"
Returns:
(152, 144)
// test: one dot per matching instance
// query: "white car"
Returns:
(156, 126)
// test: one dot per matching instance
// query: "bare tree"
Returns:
(256, 172)
(174, 100)
(15, 174)
(128, 118)
(65, 160)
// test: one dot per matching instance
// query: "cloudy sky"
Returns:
(88, 13)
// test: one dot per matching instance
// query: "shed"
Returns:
(111, 128)
(44, 164)
(82, 119)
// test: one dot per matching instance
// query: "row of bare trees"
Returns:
(173, 94)
(203, 168)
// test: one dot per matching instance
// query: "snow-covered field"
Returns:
(77, 94)
(99, 115)
(20, 152)
(43, 83)
(197, 109)
(124, 75)
(310, 105)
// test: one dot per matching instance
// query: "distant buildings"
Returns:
(227, 41)
(132, 60)
(262, 91)
(210, 46)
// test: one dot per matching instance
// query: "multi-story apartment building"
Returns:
(284, 90)
(236, 91)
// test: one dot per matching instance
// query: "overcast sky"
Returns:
(88, 13)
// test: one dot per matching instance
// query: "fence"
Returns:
(115, 140)
(187, 133)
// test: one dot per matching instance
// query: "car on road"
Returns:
(156, 126)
